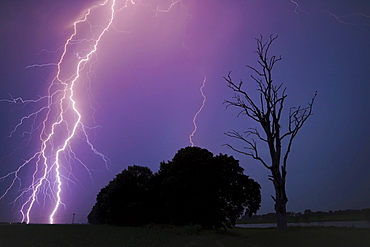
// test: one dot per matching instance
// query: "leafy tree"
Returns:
(267, 112)
(98, 214)
(199, 188)
(194, 188)
(125, 200)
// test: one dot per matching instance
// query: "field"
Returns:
(87, 235)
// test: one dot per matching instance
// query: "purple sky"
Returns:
(144, 85)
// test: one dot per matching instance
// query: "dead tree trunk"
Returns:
(280, 199)
(267, 112)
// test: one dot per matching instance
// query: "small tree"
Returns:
(267, 112)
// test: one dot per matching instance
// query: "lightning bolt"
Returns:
(197, 113)
(297, 8)
(62, 121)
(61, 118)
(66, 100)
(341, 19)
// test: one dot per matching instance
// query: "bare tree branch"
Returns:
(296, 120)
(254, 131)
(251, 147)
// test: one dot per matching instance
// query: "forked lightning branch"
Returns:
(62, 119)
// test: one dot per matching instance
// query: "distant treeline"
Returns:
(311, 216)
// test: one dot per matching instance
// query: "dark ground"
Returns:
(92, 235)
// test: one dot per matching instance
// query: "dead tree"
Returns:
(267, 112)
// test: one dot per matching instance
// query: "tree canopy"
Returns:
(125, 200)
(195, 187)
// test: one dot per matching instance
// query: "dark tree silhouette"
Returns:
(212, 191)
(194, 188)
(125, 200)
(267, 112)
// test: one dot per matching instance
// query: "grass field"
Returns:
(88, 235)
